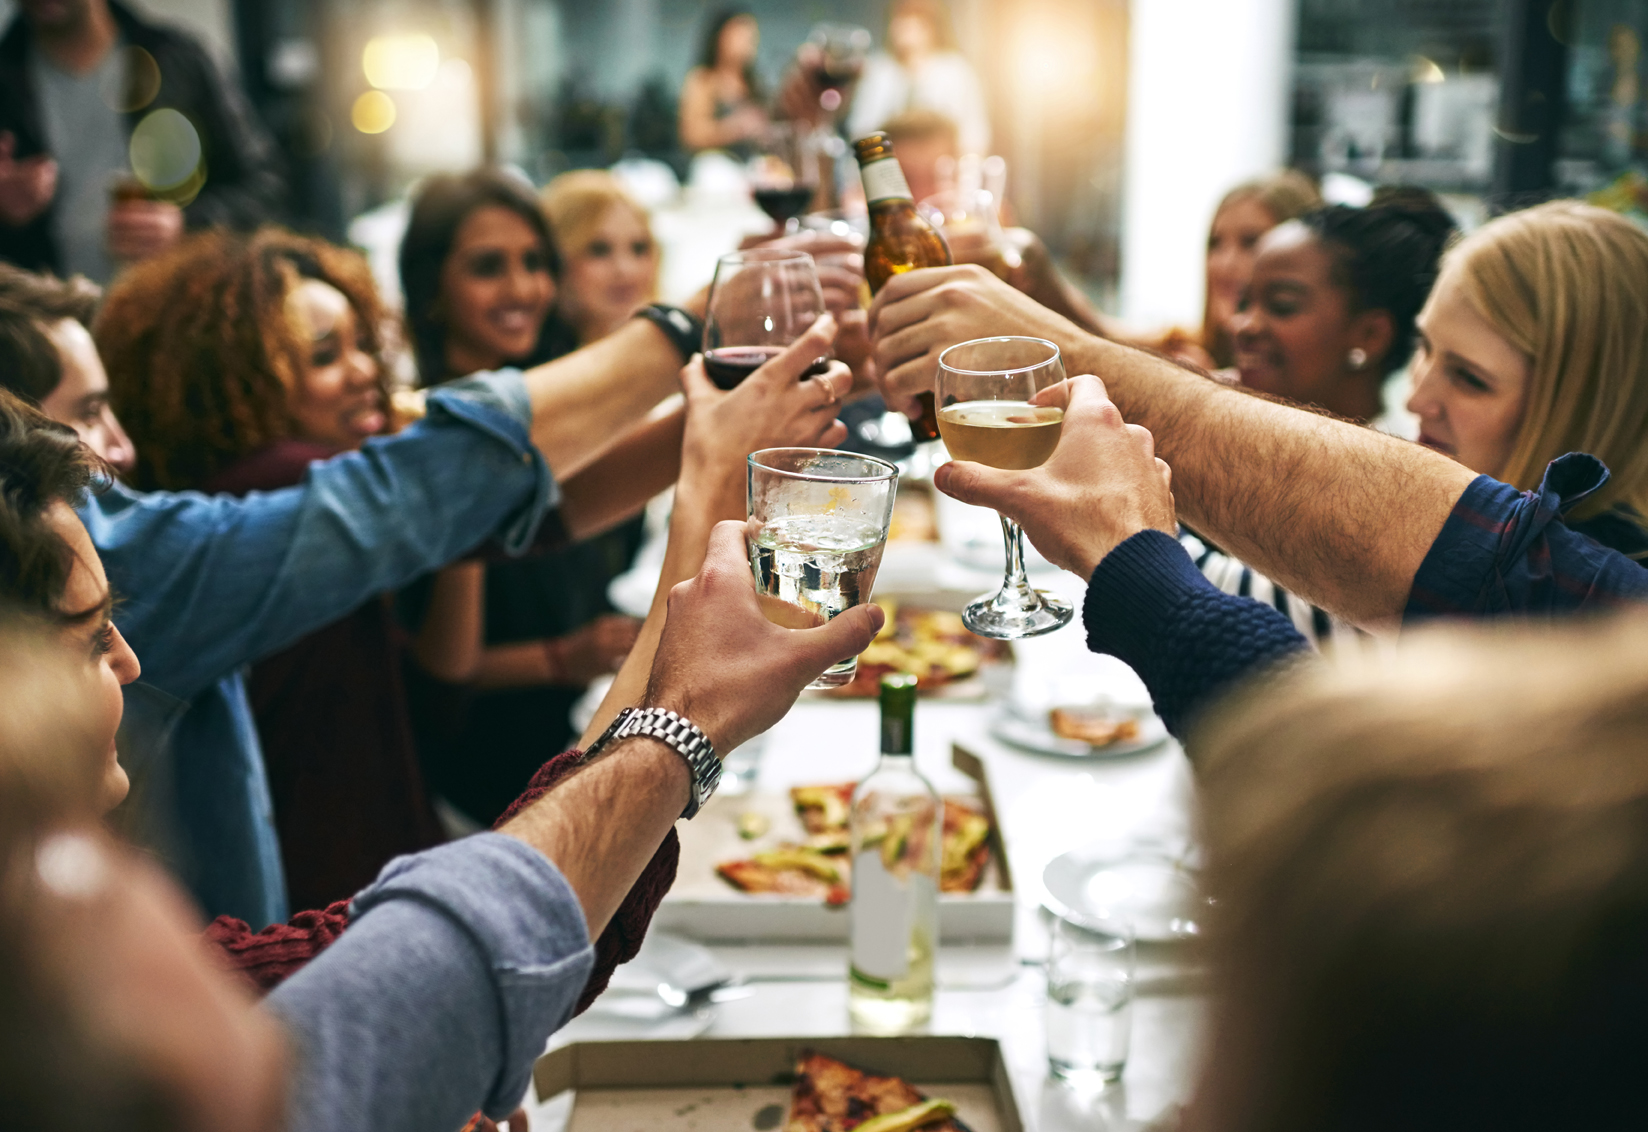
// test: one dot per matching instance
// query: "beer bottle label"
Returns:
(884, 180)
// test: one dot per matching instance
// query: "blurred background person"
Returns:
(238, 360)
(48, 358)
(921, 69)
(1431, 874)
(76, 77)
(1245, 214)
(928, 145)
(721, 99)
(480, 267)
(1329, 312)
(609, 259)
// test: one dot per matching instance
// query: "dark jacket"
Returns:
(243, 187)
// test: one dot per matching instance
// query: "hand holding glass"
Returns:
(760, 301)
(985, 415)
(817, 527)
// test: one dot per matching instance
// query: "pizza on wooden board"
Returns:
(832, 1096)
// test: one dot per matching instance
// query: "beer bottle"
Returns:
(900, 240)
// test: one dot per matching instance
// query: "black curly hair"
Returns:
(1386, 256)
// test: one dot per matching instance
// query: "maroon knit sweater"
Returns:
(269, 956)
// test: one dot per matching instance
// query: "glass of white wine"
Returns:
(985, 415)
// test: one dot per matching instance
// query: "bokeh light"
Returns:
(401, 62)
(165, 150)
(373, 112)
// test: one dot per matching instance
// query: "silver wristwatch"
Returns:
(681, 734)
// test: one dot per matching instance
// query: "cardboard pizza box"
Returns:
(740, 1084)
(704, 907)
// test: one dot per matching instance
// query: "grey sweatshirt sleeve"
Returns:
(457, 966)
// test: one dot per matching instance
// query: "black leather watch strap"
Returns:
(684, 329)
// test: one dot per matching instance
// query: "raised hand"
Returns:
(771, 408)
(26, 186)
(727, 668)
(1102, 485)
(917, 316)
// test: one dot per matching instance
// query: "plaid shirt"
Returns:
(1507, 551)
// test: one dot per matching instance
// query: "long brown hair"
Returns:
(202, 355)
(1567, 285)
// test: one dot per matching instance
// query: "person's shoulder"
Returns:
(158, 35)
(270, 468)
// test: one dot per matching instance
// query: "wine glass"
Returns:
(985, 415)
(837, 55)
(783, 174)
(761, 300)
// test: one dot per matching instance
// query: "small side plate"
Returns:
(1155, 893)
(1033, 734)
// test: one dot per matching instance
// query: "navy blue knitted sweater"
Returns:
(1148, 605)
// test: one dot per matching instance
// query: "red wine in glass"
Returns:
(784, 204)
(729, 365)
(837, 75)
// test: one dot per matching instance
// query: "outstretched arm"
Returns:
(1339, 514)
(1102, 507)
(769, 409)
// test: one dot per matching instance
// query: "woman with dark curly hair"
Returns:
(235, 361)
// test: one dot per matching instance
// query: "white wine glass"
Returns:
(985, 415)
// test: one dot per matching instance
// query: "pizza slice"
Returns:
(966, 846)
(832, 1096)
(788, 870)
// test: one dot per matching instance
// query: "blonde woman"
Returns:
(609, 258)
(1534, 344)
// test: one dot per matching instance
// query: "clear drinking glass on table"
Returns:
(760, 301)
(985, 415)
(817, 527)
(1089, 1009)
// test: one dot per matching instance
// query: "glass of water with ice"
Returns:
(1089, 999)
(817, 526)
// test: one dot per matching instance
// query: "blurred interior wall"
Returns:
(1207, 106)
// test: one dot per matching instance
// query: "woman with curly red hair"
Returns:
(235, 361)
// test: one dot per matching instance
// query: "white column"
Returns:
(1207, 106)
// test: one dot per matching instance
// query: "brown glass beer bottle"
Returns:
(900, 240)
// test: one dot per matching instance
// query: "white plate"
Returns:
(1155, 893)
(1033, 734)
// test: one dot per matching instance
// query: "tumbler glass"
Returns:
(1089, 999)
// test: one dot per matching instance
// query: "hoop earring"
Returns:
(1357, 358)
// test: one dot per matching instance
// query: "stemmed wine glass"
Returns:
(784, 174)
(837, 53)
(761, 300)
(985, 415)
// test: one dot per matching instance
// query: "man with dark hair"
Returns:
(77, 78)
(48, 358)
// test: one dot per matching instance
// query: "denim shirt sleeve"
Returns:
(1504, 551)
(458, 964)
(210, 583)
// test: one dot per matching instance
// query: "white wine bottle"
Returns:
(897, 834)
(900, 240)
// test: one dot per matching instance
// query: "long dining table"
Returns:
(1046, 804)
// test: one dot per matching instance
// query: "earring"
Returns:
(1357, 357)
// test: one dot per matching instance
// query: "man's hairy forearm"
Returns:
(1339, 514)
(583, 401)
(601, 826)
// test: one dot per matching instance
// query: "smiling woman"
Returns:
(237, 360)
